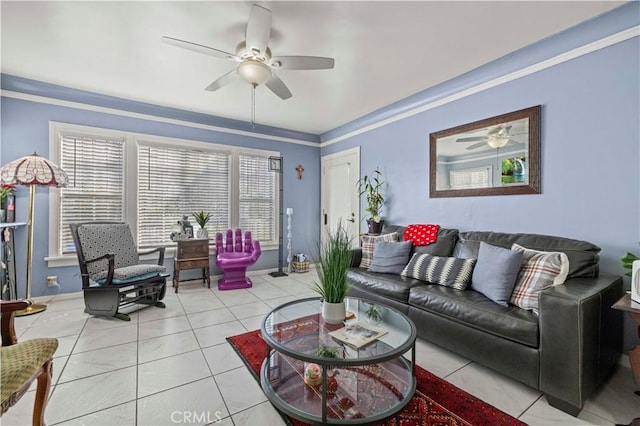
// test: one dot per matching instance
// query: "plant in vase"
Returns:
(374, 314)
(333, 261)
(6, 190)
(371, 186)
(327, 351)
(202, 219)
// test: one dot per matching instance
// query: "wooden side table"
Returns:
(626, 304)
(191, 254)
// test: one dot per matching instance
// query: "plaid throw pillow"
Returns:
(539, 270)
(369, 244)
(447, 271)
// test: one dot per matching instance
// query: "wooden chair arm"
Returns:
(111, 259)
(157, 249)
(8, 310)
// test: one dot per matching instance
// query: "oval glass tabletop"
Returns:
(375, 333)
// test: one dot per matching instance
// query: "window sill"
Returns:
(72, 260)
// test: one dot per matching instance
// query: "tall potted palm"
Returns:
(371, 186)
(333, 261)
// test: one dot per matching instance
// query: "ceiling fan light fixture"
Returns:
(254, 72)
(497, 142)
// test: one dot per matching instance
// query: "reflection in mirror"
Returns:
(495, 156)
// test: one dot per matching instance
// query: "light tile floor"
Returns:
(173, 366)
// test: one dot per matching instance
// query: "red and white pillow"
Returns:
(421, 235)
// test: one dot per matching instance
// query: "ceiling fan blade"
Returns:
(473, 139)
(223, 81)
(198, 48)
(278, 87)
(302, 62)
(258, 29)
(513, 142)
(476, 146)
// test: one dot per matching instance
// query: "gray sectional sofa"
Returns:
(566, 351)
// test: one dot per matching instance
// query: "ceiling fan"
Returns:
(497, 137)
(255, 63)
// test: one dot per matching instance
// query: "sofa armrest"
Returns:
(580, 338)
(356, 257)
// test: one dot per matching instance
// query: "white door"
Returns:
(340, 200)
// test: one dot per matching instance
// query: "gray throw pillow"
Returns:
(496, 272)
(390, 257)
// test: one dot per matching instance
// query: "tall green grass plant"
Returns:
(332, 264)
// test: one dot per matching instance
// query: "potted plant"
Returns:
(202, 219)
(371, 187)
(333, 261)
(5, 191)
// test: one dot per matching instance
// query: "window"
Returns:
(173, 181)
(257, 186)
(470, 178)
(150, 182)
(96, 183)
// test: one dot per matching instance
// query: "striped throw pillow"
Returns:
(447, 271)
(539, 270)
(369, 244)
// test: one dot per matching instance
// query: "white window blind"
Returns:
(95, 166)
(173, 181)
(257, 197)
(471, 178)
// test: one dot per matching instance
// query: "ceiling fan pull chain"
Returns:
(253, 105)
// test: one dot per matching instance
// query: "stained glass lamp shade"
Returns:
(30, 171)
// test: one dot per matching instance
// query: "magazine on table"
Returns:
(357, 334)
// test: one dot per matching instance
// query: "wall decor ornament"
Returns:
(495, 156)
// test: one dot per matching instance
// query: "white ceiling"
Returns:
(384, 51)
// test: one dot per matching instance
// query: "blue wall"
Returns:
(590, 150)
(25, 129)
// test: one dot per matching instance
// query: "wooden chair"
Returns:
(112, 275)
(22, 363)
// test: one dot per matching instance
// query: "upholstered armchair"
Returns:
(22, 363)
(112, 274)
(233, 258)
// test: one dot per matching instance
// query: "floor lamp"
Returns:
(30, 171)
(276, 165)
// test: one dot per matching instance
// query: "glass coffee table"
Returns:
(317, 378)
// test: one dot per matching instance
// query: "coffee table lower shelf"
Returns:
(363, 394)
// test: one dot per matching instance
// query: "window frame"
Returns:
(132, 142)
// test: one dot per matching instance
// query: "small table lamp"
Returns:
(30, 171)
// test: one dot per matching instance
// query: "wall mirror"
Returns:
(496, 156)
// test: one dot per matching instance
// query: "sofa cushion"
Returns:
(477, 311)
(583, 256)
(369, 244)
(496, 272)
(447, 271)
(466, 249)
(390, 257)
(539, 270)
(393, 286)
(443, 246)
(421, 234)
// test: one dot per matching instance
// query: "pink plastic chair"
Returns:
(233, 259)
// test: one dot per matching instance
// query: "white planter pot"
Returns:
(333, 313)
(202, 233)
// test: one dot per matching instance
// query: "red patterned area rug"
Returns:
(436, 402)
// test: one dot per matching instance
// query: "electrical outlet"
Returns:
(52, 280)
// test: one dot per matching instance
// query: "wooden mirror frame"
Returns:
(533, 156)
